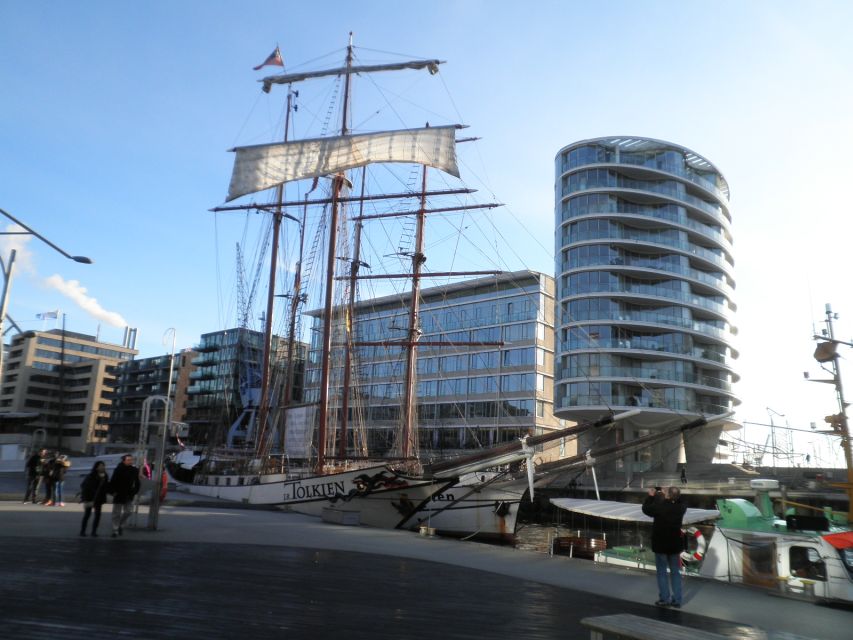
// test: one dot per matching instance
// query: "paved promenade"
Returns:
(234, 573)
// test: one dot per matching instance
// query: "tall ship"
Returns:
(360, 203)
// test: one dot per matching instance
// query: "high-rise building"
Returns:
(469, 395)
(142, 378)
(645, 287)
(68, 379)
(226, 381)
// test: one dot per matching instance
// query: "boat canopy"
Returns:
(613, 510)
(840, 540)
(264, 166)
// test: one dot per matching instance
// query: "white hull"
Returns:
(471, 508)
(377, 496)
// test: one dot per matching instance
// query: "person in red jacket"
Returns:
(667, 510)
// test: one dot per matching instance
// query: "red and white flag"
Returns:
(273, 59)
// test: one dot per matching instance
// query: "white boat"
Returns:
(743, 542)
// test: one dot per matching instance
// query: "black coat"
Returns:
(125, 483)
(666, 530)
(33, 465)
(94, 488)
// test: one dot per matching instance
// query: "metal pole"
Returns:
(61, 388)
(157, 474)
(4, 301)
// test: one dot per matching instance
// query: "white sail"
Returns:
(260, 167)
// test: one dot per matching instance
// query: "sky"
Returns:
(116, 119)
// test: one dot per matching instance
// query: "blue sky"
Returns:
(116, 118)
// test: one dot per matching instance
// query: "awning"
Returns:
(841, 540)
(625, 511)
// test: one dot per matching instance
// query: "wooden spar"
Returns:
(325, 367)
(350, 325)
(409, 436)
(513, 447)
(397, 214)
(342, 200)
(425, 343)
(431, 274)
(621, 449)
(263, 411)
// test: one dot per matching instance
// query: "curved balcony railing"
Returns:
(656, 292)
(645, 373)
(655, 318)
(703, 408)
(647, 344)
(705, 230)
(717, 282)
(655, 238)
(627, 159)
(577, 183)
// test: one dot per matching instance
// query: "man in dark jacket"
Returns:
(667, 543)
(33, 469)
(123, 486)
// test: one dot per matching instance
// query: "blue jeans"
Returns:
(57, 491)
(673, 562)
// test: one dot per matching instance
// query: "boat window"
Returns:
(847, 558)
(805, 562)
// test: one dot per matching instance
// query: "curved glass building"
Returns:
(645, 285)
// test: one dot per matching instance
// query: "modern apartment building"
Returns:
(225, 383)
(68, 379)
(493, 385)
(645, 287)
(136, 380)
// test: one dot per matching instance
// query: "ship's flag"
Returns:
(48, 315)
(273, 59)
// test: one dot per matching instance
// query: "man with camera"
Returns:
(667, 543)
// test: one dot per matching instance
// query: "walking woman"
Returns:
(93, 490)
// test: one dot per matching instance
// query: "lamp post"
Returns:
(7, 268)
(7, 283)
(157, 475)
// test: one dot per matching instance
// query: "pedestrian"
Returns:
(667, 510)
(124, 484)
(47, 478)
(93, 491)
(33, 470)
(684, 475)
(60, 466)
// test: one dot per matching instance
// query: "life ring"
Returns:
(699, 553)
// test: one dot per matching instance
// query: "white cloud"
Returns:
(78, 293)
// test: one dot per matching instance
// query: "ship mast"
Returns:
(827, 352)
(409, 435)
(263, 410)
(325, 366)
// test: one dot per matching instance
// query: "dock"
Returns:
(212, 572)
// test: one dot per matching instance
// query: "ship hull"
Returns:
(378, 496)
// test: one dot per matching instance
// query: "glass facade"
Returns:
(645, 284)
(469, 395)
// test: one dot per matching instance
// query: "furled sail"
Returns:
(263, 166)
(290, 78)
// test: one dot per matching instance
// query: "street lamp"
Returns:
(7, 278)
(157, 474)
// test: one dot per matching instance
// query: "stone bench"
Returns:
(626, 626)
